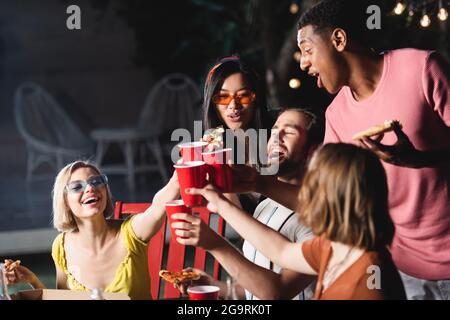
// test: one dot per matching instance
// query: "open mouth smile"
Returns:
(90, 200)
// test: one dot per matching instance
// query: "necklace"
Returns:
(330, 273)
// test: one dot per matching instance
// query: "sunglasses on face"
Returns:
(242, 99)
(95, 182)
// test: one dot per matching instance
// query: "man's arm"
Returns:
(284, 193)
(263, 283)
(246, 179)
(403, 153)
(272, 244)
(435, 84)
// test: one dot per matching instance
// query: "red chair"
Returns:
(176, 252)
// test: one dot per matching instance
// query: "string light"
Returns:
(295, 83)
(412, 7)
(425, 21)
(294, 8)
(297, 56)
(399, 8)
(443, 14)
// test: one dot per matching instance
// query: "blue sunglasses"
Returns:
(78, 186)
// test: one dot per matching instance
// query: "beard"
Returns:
(289, 167)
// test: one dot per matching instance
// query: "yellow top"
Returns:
(132, 275)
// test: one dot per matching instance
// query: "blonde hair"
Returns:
(345, 197)
(63, 218)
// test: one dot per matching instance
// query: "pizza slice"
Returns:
(10, 265)
(387, 126)
(214, 138)
(176, 277)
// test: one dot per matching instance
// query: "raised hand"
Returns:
(169, 192)
(194, 231)
(211, 194)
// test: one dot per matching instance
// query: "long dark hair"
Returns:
(217, 75)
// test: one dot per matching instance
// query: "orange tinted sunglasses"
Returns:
(242, 99)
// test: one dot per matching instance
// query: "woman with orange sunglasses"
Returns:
(234, 98)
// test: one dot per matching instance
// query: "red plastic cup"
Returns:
(220, 173)
(192, 151)
(192, 175)
(176, 206)
(203, 293)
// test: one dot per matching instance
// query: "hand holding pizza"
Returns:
(402, 153)
(203, 279)
(15, 273)
(378, 130)
(178, 277)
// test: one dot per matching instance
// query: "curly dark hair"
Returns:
(349, 15)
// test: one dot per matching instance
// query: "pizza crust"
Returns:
(387, 126)
(176, 277)
(11, 265)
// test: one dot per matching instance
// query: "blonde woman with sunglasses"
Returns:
(92, 251)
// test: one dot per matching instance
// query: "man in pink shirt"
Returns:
(408, 85)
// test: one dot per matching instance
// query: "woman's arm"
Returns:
(234, 198)
(262, 282)
(147, 224)
(23, 274)
(61, 279)
(36, 283)
(272, 244)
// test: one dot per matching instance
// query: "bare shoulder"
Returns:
(70, 243)
(69, 237)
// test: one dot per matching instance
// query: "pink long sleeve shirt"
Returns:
(414, 89)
